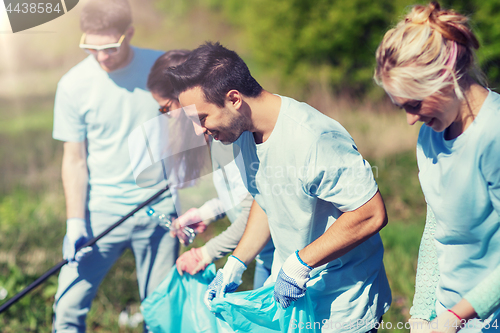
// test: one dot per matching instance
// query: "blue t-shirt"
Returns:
(103, 109)
(304, 176)
(460, 179)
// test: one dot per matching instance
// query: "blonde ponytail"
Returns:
(430, 50)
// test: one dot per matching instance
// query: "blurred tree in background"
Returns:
(486, 21)
(333, 42)
(330, 41)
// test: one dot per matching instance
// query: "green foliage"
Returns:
(401, 242)
(177, 8)
(398, 183)
(33, 310)
(303, 41)
(333, 42)
(487, 27)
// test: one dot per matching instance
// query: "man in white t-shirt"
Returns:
(99, 102)
(315, 195)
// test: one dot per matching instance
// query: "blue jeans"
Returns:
(155, 253)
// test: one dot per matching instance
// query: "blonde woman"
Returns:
(426, 66)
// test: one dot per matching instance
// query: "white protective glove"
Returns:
(446, 322)
(291, 282)
(227, 280)
(418, 325)
(193, 261)
(76, 236)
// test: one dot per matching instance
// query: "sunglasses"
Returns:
(94, 49)
(166, 107)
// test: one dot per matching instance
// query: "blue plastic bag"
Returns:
(177, 306)
(257, 311)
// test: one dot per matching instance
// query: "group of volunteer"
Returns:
(301, 198)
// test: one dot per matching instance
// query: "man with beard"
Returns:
(315, 195)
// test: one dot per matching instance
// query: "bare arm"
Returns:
(75, 178)
(350, 230)
(464, 309)
(255, 237)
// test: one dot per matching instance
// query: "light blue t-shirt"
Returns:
(103, 109)
(460, 179)
(305, 175)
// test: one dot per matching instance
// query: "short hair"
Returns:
(158, 82)
(98, 16)
(430, 50)
(216, 70)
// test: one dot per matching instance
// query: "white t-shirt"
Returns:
(304, 176)
(103, 109)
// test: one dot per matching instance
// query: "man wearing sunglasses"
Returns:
(99, 102)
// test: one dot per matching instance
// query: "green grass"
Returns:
(398, 183)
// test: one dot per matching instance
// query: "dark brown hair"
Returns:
(188, 163)
(216, 70)
(158, 82)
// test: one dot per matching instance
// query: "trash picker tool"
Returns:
(90, 242)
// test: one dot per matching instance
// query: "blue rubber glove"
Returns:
(291, 282)
(227, 280)
(76, 236)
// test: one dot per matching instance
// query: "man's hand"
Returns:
(76, 236)
(190, 218)
(193, 261)
(227, 280)
(291, 282)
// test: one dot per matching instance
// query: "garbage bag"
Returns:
(176, 305)
(257, 311)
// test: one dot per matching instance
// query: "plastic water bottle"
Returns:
(190, 233)
(162, 219)
(166, 222)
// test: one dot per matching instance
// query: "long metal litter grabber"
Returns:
(91, 242)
